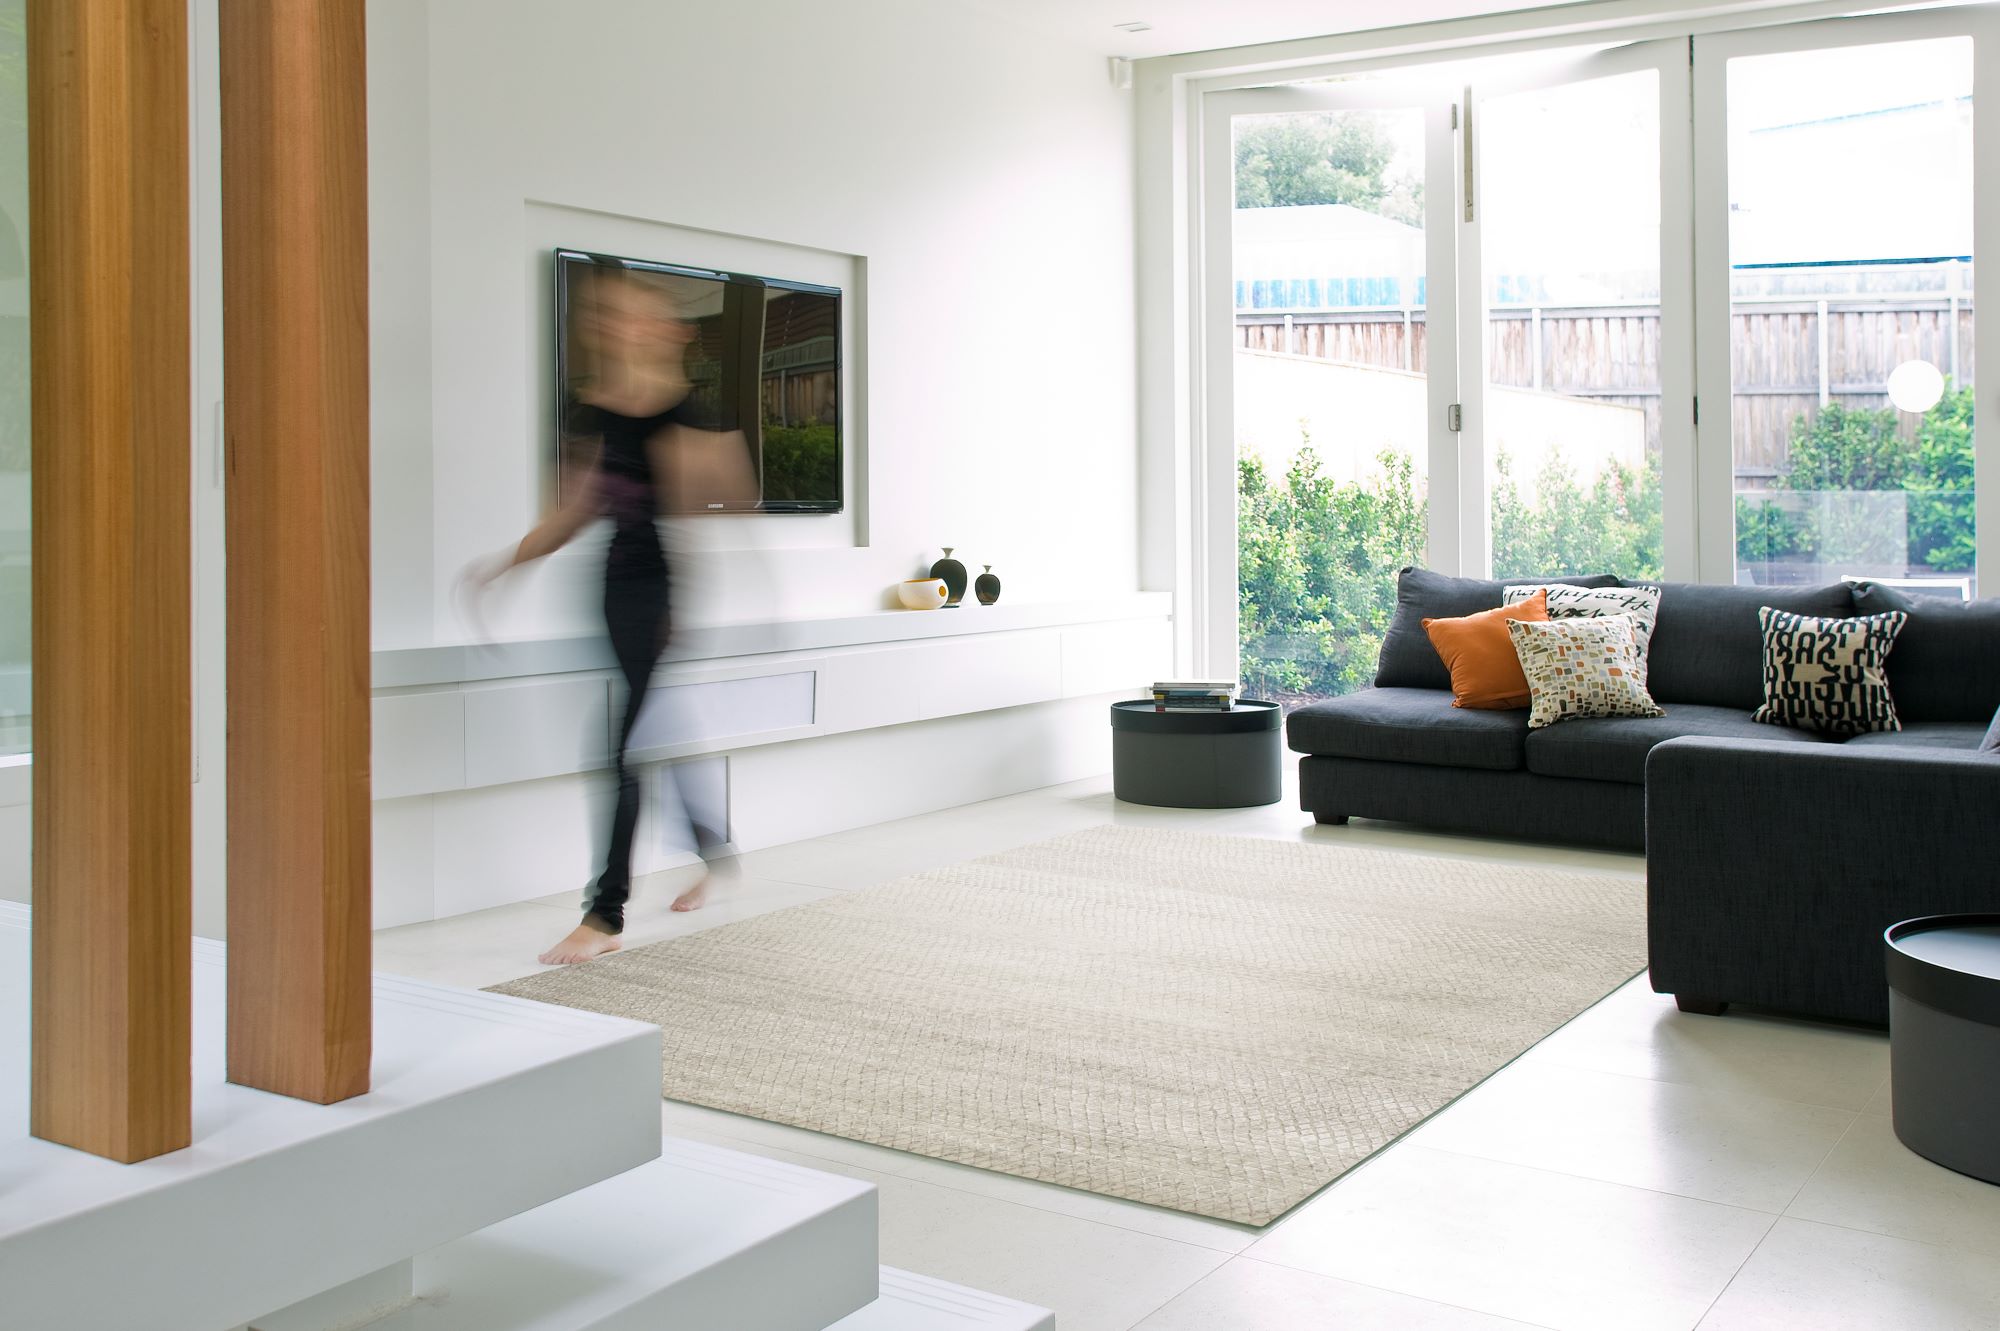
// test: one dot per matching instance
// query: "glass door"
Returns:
(1331, 375)
(1583, 335)
(1840, 222)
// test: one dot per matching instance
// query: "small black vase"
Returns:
(987, 587)
(953, 574)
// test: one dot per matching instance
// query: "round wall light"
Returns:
(1916, 386)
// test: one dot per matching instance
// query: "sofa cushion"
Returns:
(1829, 675)
(1408, 661)
(1946, 666)
(1615, 748)
(1707, 645)
(1409, 726)
(1580, 668)
(1637, 600)
(1923, 735)
(1485, 671)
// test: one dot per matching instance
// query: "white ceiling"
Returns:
(1180, 26)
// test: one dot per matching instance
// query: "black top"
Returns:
(628, 491)
(1247, 716)
(1950, 962)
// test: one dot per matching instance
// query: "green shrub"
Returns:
(1316, 565)
(800, 462)
(1850, 450)
(1317, 558)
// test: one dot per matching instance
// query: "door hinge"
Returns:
(1454, 115)
(1454, 418)
(1697, 411)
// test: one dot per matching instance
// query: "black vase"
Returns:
(953, 574)
(987, 587)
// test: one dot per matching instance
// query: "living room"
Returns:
(1550, 431)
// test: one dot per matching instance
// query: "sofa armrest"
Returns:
(1773, 868)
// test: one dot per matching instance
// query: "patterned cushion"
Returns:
(1408, 661)
(1581, 667)
(1638, 600)
(1828, 674)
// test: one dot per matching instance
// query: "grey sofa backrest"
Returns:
(1708, 648)
(1408, 659)
(1945, 665)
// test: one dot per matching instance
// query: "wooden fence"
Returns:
(1788, 357)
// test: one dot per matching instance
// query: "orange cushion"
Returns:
(1485, 671)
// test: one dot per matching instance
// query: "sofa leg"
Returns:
(1330, 819)
(1701, 1007)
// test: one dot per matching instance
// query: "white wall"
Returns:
(967, 182)
(975, 182)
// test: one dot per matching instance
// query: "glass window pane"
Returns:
(1570, 251)
(1331, 435)
(1850, 248)
(14, 692)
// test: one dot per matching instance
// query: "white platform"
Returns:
(701, 1238)
(482, 1107)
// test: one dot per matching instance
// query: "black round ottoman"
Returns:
(1944, 1039)
(1196, 760)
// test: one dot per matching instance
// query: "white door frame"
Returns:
(1715, 446)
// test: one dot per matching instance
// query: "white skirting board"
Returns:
(918, 1303)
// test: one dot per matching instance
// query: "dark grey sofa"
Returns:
(1775, 857)
(1772, 871)
(1401, 751)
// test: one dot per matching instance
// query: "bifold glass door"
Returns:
(1435, 337)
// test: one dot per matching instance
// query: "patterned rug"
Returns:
(1219, 1025)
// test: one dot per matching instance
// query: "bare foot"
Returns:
(694, 897)
(583, 943)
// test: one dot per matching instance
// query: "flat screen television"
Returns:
(763, 360)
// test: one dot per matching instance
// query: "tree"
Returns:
(1330, 157)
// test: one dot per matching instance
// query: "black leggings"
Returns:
(635, 612)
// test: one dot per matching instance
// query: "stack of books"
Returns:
(1194, 695)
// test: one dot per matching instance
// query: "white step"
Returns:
(701, 1239)
(912, 1302)
(482, 1106)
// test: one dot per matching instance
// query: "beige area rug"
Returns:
(1219, 1025)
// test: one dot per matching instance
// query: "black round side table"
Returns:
(1944, 1039)
(1196, 760)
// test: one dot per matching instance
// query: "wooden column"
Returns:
(295, 349)
(107, 163)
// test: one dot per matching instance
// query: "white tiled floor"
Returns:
(1639, 1168)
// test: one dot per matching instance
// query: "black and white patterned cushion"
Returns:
(1827, 674)
(1638, 600)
